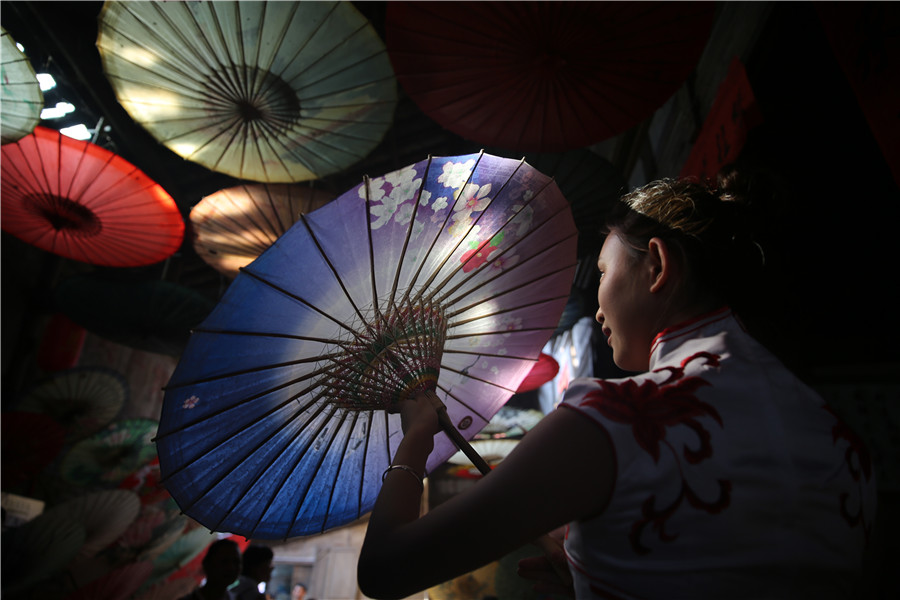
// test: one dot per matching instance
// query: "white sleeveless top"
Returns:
(733, 480)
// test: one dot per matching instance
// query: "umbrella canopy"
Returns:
(105, 515)
(111, 455)
(262, 91)
(30, 442)
(145, 483)
(544, 76)
(20, 92)
(150, 315)
(188, 546)
(39, 549)
(232, 227)
(82, 399)
(448, 276)
(81, 201)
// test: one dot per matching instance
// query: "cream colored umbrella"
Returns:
(235, 225)
(22, 99)
(105, 516)
(263, 91)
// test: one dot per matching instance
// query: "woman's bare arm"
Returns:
(561, 471)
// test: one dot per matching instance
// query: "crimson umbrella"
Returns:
(543, 371)
(544, 76)
(83, 202)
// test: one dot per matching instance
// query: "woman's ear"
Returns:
(660, 264)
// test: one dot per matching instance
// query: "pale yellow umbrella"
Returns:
(234, 226)
(22, 99)
(263, 91)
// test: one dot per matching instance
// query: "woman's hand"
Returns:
(418, 414)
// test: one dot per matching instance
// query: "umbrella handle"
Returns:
(547, 544)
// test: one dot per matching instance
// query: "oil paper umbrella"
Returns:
(544, 76)
(232, 227)
(262, 91)
(492, 451)
(105, 515)
(446, 276)
(82, 399)
(110, 455)
(83, 202)
(544, 370)
(20, 92)
(38, 549)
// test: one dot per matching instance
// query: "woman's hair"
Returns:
(712, 228)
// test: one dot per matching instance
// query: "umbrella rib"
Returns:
(287, 472)
(309, 480)
(488, 354)
(462, 403)
(446, 220)
(366, 183)
(500, 332)
(470, 376)
(337, 475)
(439, 287)
(409, 231)
(434, 289)
(212, 445)
(511, 309)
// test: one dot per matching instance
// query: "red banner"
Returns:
(733, 114)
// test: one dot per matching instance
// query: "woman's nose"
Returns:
(599, 316)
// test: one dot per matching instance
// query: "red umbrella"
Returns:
(83, 202)
(544, 76)
(543, 371)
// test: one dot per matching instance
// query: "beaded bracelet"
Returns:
(409, 470)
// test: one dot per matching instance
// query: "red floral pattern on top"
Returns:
(651, 409)
(859, 463)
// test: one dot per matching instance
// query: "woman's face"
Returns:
(624, 298)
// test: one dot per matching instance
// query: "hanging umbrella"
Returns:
(82, 399)
(263, 91)
(105, 515)
(110, 455)
(187, 547)
(22, 98)
(81, 201)
(544, 76)
(447, 275)
(492, 451)
(30, 442)
(150, 315)
(235, 225)
(119, 584)
(144, 482)
(38, 549)
(511, 421)
(543, 371)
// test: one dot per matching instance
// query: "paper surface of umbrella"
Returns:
(83, 202)
(110, 455)
(544, 76)
(20, 92)
(82, 399)
(105, 515)
(232, 227)
(264, 91)
(449, 274)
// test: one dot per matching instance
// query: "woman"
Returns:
(714, 473)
